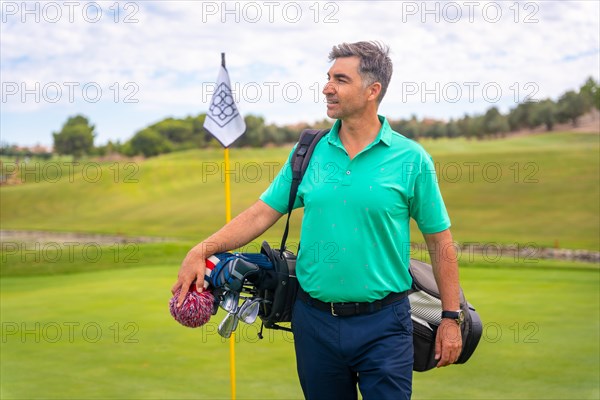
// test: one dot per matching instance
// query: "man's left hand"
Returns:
(448, 343)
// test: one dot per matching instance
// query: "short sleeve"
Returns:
(427, 205)
(277, 194)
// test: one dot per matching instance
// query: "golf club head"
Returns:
(249, 310)
(228, 325)
(230, 301)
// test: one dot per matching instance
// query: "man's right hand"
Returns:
(247, 226)
(192, 267)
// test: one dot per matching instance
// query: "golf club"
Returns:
(249, 309)
(230, 301)
(228, 325)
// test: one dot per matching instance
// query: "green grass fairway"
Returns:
(540, 189)
(109, 335)
(89, 321)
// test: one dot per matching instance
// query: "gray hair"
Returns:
(375, 64)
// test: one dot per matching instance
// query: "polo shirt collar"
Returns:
(384, 135)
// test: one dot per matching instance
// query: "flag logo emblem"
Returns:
(222, 108)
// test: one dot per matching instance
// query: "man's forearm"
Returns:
(240, 231)
(445, 267)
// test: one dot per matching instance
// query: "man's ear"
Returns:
(374, 91)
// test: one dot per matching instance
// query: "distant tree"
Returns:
(175, 130)
(113, 147)
(590, 92)
(476, 127)
(452, 129)
(470, 127)
(7, 149)
(411, 128)
(149, 143)
(463, 125)
(435, 131)
(544, 113)
(274, 134)
(76, 137)
(570, 107)
(494, 122)
(99, 151)
(109, 148)
(255, 132)
(322, 124)
(290, 134)
(200, 136)
(514, 118)
(520, 116)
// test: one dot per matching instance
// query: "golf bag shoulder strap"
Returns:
(299, 162)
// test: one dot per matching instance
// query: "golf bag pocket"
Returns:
(279, 299)
(424, 345)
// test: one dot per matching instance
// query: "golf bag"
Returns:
(426, 312)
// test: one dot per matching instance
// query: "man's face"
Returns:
(345, 92)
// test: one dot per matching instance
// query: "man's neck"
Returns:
(358, 132)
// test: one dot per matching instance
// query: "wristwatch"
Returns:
(458, 316)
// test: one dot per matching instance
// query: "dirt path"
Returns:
(490, 251)
(79, 237)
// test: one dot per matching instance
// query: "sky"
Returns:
(128, 64)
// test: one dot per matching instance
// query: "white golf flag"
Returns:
(223, 120)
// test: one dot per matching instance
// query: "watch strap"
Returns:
(451, 314)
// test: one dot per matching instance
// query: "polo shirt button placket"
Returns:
(347, 178)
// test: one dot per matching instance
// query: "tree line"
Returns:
(76, 136)
(526, 115)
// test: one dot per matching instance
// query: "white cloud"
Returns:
(166, 59)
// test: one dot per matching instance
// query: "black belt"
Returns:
(351, 308)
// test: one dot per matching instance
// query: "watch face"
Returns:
(461, 317)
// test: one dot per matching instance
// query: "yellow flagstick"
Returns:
(227, 219)
(216, 124)
(227, 187)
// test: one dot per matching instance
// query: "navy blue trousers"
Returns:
(335, 354)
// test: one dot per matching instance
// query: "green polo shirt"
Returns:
(355, 238)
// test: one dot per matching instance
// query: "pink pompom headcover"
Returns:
(195, 310)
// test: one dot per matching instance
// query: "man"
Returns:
(352, 321)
